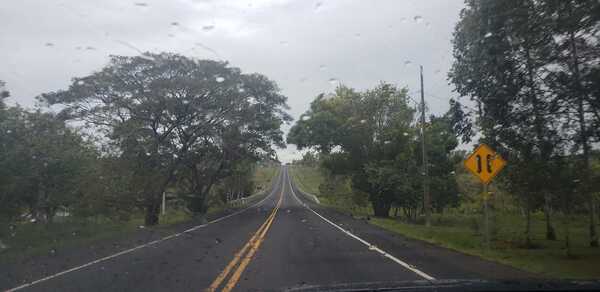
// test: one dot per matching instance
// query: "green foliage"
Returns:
(528, 65)
(369, 137)
(176, 121)
(43, 162)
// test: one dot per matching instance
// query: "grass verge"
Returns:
(27, 239)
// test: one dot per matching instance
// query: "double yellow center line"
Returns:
(245, 254)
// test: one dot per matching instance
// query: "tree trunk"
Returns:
(593, 234)
(152, 212)
(49, 214)
(568, 234)
(584, 139)
(550, 233)
(528, 227)
(381, 209)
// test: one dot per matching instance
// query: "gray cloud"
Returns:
(299, 44)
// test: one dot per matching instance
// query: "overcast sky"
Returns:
(307, 47)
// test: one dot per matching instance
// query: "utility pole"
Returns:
(426, 197)
(164, 203)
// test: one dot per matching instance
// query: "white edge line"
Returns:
(370, 246)
(142, 245)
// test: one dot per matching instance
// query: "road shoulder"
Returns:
(440, 262)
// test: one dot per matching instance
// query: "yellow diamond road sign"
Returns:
(485, 163)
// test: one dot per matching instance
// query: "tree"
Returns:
(575, 30)
(367, 128)
(509, 57)
(441, 141)
(43, 162)
(158, 110)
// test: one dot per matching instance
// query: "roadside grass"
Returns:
(28, 239)
(308, 179)
(263, 177)
(462, 232)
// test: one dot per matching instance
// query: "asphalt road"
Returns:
(284, 241)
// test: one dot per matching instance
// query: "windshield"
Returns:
(278, 144)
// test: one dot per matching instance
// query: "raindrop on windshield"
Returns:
(303, 79)
(141, 4)
(8, 131)
(305, 118)
(171, 35)
(90, 48)
(219, 79)
(403, 20)
(418, 18)
(241, 90)
(487, 35)
(407, 63)
(357, 35)
(78, 48)
(318, 5)
(208, 27)
(333, 81)
(322, 67)
(437, 71)
(49, 45)
(284, 43)
(174, 23)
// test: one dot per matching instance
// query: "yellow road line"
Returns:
(257, 237)
(215, 284)
(238, 273)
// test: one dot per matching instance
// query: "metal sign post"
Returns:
(485, 164)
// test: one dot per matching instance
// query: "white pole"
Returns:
(164, 204)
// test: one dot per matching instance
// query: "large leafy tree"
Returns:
(361, 129)
(526, 64)
(43, 164)
(370, 137)
(441, 142)
(161, 110)
(573, 79)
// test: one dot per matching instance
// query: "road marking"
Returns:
(215, 284)
(29, 284)
(254, 243)
(238, 273)
(370, 246)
